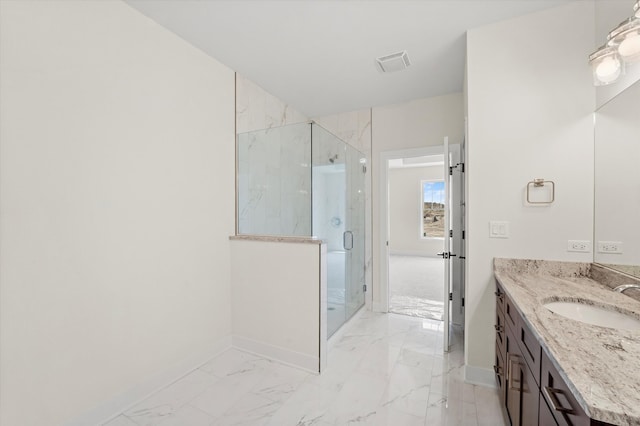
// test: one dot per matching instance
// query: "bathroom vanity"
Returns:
(553, 370)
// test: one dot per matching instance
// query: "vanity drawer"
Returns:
(500, 327)
(511, 315)
(499, 298)
(530, 348)
(561, 402)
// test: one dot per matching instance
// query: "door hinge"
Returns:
(459, 165)
(446, 254)
(463, 302)
(451, 233)
(463, 234)
(364, 169)
(450, 296)
(364, 288)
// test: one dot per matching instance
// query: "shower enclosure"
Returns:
(301, 180)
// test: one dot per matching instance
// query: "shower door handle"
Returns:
(347, 240)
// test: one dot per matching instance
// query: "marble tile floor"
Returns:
(385, 370)
(416, 286)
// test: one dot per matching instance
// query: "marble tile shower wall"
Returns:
(274, 181)
(257, 109)
(275, 198)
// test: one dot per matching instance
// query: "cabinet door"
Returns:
(500, 374)
(545, 416)
(529, 396)
(522, 394)
(512, 378)
(563, 405)
(500, 327)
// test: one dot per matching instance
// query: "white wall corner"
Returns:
(276, 353)
(131, 397)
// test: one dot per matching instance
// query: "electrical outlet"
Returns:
(611, 247)
(582, 246)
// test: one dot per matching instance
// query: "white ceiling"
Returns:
(318, 55)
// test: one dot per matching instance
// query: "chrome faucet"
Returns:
(624, 287)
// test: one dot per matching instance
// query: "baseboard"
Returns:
(378, 307)
(285, 356)
(479, 376)
(108, 410)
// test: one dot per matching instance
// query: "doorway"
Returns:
(414, 234)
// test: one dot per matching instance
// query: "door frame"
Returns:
(383, 208)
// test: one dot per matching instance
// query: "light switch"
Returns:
(498, 229)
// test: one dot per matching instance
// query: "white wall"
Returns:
(530, 105)
(405, 211)
(276, 306)
(117, 203)
(415, 124)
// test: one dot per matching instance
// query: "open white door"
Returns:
(446, 254)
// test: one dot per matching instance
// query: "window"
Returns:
(433, 209)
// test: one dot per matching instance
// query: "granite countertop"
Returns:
(277, 239)
(600, 365)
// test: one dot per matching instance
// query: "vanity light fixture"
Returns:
(626, 37)
(606, 65)
(622, 48)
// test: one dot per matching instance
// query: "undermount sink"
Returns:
(594, 315)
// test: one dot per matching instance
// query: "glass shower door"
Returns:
(329, 186)
(355, 224)
(338, 218)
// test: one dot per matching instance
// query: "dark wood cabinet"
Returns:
(531, 389)
(562, 404)
(521, 394)
(545, 417)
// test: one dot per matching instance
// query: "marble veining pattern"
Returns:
(600, 365)
(274, 181)
(257, 109)
(384, 370)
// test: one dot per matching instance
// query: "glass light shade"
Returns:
(606, 65)
(636, 9)
(626, 37)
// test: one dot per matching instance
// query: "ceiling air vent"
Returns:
(394, 62)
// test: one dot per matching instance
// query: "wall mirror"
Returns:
(617, 182)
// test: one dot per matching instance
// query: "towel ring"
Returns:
(539, 183)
